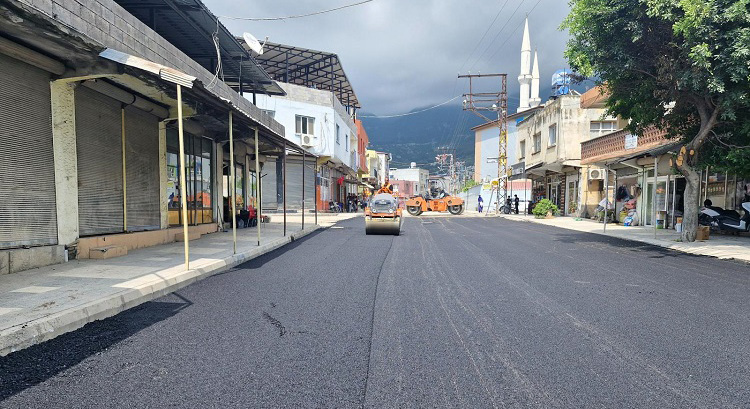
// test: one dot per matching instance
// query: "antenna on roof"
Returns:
(253, 43)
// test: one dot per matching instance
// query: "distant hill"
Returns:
(414, 138)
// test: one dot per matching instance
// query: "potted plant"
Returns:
(545, 208)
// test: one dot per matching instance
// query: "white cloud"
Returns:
(404, 54)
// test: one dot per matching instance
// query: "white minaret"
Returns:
(525, 78)
(535, 100)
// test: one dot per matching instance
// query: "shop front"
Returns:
(199, 157)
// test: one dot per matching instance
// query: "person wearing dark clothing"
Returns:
(480, 205)
(515, 201)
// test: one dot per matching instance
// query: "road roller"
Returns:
(382, 214)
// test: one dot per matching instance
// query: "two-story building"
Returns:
(413, 174)
(318, 113)
(549, 144)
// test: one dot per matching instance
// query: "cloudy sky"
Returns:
(406, 54)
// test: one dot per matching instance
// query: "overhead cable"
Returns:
(295, 16)
(408, 113)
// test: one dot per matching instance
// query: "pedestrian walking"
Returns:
(480, 204)
(515, 201)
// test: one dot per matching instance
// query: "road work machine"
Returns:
(382, 214)
(438, 201)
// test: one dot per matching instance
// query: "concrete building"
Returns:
(318, 113)
(362, 164)
(414, 174)
(549, 144)
(403, 188)
(88, 100)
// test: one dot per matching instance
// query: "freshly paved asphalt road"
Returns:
(456, 312)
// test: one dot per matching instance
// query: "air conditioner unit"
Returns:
(307, 140)
(596, 174)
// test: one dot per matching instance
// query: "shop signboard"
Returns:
(631, 141)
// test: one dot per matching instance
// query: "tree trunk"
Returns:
(691, 204)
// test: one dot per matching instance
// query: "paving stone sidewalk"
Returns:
(718, 245)
(40, 304)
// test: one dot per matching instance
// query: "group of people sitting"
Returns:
(246, 216)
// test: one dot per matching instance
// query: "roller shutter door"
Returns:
(99, 149)
(27, 173)
(268, 187)
(294, 183)
(142, 169)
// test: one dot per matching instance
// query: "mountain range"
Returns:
(417, 137)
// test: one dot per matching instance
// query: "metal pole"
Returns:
(656, 176)
(233, 200)
(606, 195)
(183, 183)
(316, 193)
(283, 190)
(303, 190)
(258, 204)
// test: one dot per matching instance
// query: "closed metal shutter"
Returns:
(99, 148)
(142, 169)
(27, 170)
(268, 187)
(294, 183)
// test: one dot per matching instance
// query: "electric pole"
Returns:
(488, 102)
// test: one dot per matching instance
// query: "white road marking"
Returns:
(34, 289)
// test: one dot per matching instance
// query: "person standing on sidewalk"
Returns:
(480, 203)
(515, 201)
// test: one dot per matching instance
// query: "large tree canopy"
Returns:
(680, 65)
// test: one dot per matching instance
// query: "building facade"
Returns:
(414, 174)
(87, 124)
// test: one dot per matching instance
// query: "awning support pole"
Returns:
(233, 190)
(183, 183)
(303, 189)
(656, 178)
(124, 176)
(283, 190)
(258, 204)
(316, 192)
(606, 195)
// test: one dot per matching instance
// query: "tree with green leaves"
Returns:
(679, 65)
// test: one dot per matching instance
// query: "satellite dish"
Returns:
(253, 43)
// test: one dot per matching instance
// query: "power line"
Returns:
(483, 36)
(496, 35)
(295, 16)
(408, 113)
(514, 30)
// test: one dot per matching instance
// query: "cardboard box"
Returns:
(703, 233)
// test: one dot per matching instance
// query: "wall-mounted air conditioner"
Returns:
(596, 174)
(307, 140)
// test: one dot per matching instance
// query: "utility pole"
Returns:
(447, 158)
(481, 102)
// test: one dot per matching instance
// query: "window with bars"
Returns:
(599, 128)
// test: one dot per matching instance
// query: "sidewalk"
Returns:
(719, 245)
(40, 304)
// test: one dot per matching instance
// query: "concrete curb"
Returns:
(653, 242)
(141, 290)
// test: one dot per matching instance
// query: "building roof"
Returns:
(512, 116)
(190, 26)
(310, 68)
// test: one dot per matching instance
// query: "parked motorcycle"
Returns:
(726, 220)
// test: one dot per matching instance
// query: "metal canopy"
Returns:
(310, 68)
(189, 25)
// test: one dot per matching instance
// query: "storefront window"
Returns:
(198, 176)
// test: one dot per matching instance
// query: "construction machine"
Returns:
(439, 201)
(382, 214)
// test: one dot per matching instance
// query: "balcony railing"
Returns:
(613, 145)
